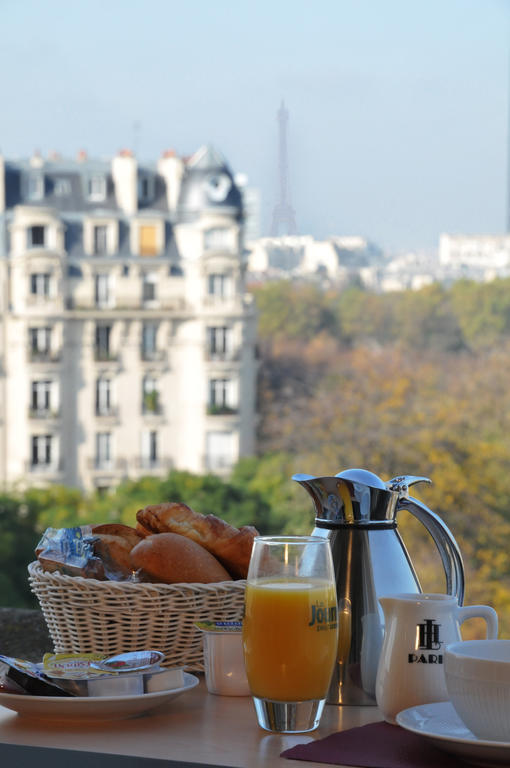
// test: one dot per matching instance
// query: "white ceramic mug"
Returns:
(417, 629)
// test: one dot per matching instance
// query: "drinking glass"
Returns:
(290, 630)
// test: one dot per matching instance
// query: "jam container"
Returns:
(224, 658)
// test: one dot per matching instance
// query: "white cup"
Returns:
(477, 676)
(417, 629)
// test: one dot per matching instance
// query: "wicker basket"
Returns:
(85, 615)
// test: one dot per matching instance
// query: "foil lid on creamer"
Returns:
(219, 626)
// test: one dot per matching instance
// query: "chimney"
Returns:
(171, 168)
(125, 180)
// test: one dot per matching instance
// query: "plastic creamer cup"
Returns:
(224, 658)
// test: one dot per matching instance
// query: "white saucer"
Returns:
(441, 724)
(92, 707)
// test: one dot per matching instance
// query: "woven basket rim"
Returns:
(36, 571)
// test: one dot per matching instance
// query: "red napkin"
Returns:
(378, 745)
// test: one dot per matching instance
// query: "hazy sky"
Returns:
(398, 108)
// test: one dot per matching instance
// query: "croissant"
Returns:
(231, 546)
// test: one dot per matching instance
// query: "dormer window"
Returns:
(62, 187)
(35, 189)
(145, 188)
(96, 188)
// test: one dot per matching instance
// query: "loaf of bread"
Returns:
(231, 546)
(112, 543)
(171, 558)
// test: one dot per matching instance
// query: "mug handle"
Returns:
(480, 612)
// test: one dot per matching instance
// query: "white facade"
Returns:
(127, 342)
(337, 259)
(479, 256)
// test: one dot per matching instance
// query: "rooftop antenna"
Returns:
(137, 129)
(283, 213)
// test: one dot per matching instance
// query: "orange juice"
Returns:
(290, 638)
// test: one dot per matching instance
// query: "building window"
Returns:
(40, 339)
(102, 290)
(103, 396)
(222, 396)
(100, 240)
(40, 284)
(36, 236)
(219, 340)
(42, 450)
(147, 244)
(149, 287)
(150, 395)
(220, 450)
(219, 285)
(217, 239)
(96, 188)
(102, 349)
(145, 188)
(40, 396)
(103, 450)
(150, 449)
(149, 336)
(62, 187)
(35, 187)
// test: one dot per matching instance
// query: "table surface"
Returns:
(195, 728)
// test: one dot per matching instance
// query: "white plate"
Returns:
(441, 724)
(92, 707)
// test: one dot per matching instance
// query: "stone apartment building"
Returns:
(127, 341)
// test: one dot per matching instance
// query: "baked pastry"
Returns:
(172, 559)
(112, 543)
(231, 546)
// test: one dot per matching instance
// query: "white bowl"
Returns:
(477, 674)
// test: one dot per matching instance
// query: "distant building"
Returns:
(251, 207)
(127, 341)
(337, 259)
(479, 257)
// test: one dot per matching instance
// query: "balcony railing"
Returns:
(228, 355)
(43, 356)
(148, 463)
(43, 413)
(221, 410)
(105, 356)
(98, 464)
(50, 468)
(111, 412)
(153, 355)
(218, 463)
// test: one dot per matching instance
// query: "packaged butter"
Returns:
(21, 676)
(126, 674)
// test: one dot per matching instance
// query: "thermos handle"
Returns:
(444, 541)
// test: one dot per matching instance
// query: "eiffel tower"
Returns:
(284, 221)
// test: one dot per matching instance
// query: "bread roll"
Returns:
(231, 546)
(113, 543)
(171, 558)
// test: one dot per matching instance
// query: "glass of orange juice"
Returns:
(290, 630)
